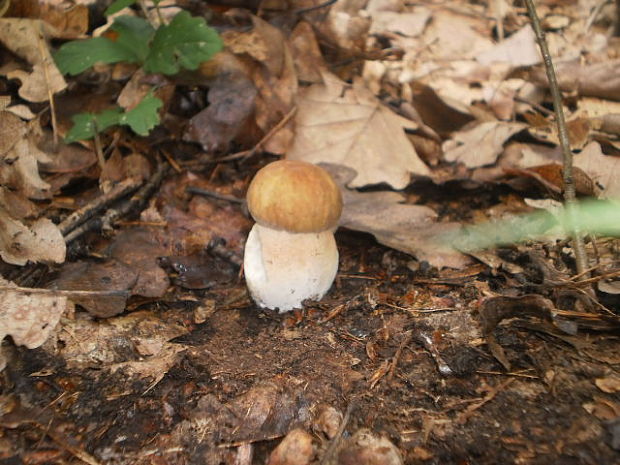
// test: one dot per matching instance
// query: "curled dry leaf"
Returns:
(346, 27)
(366, 448)
(232, 99)
(306, 53)
(26, 38)
(70, 21)
(29, 318)
(20, 156)
(590, 80)
(609, 384)
(153, 367)
(272, 72)
(295, 449)
(346, 125)
(266, 410)
(327, 421)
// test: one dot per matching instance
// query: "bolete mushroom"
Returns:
(291, 253)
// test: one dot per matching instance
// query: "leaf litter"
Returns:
(431, 117)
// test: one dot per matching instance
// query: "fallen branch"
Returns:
(135, 203)
(88, 211)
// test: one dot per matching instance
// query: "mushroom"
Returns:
(291, 253)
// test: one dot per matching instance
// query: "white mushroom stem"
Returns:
(282, 268)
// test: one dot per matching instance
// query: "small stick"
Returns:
(396, 357)
(328, 457)
(172, 161)
(266, 137)
(469, 411)
(213, 194)
(111, 215)
(567, 172)
(50, 94)
(88, 211)
(427, 342)
(62, 292)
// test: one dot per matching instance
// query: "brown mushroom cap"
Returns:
(294, 196)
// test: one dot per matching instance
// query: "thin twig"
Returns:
(581, 257)
(88, 211)
(175, 166)
(469, 411)
(98, 149)
(213, 194)
(62, 292)
(112, 215)
(301, 11)
(406, 340)
(259, 145)
(328, 456)
(50, 94)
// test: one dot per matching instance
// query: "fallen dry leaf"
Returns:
(307, 54)
(408, 228)
(26, 38)
(345, 27)
(603, 169)
(520, 49)
(295, 449)
(367, 448)
(154, 367)
(232, 99)
(28, 317)
(89, 343)
(139, 249)
(480, 145)
(39, 242)
(110, 282)
(453, 36)
(346, 125)
(70, 21)
(272, 72)
(407, 24)
(609, 384)
(586, 79)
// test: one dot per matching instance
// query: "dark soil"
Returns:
(403, 353)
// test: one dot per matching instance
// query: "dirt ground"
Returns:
(396, 348)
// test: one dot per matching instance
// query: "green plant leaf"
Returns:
(144, 116)
(117, 6)
(184, 43)
(79, 55)
(86, 125)
(134, 36)
(131, 45)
